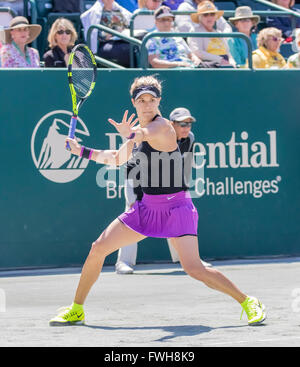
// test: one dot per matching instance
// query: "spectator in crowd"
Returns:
(208, 48)
(182, 121)
(169, 52)
(267, 55)
(284, 23)
(184, 22)
(61, 38)
(110, 14)
(145, 23)
(173, 4)
(294, 60)
(16, 5)
(15, 53)
(244, 22)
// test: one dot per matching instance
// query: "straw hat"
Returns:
(21, 22)
(206, 7)
(244, 12)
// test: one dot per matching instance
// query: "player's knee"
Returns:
(196, 271)
(97, 249)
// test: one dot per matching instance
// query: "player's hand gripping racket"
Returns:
(82, 73)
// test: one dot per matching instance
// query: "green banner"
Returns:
(245, 175)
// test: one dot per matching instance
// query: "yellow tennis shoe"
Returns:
(255, 311)
(71, 315)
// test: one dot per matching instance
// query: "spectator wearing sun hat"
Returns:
(184, 22)
(244, 21)
(209, 48)
(15, 53)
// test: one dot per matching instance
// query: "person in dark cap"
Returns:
(169, 52)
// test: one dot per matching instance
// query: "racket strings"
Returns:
(83, 73)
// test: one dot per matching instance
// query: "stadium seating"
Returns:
(226, 5)
(6, 15)
(87, 4)
(43, 7)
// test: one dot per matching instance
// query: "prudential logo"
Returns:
(48, 147)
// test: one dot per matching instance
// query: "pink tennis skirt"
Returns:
(163, 216)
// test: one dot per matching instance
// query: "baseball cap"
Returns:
(162, 12)
(180, 114)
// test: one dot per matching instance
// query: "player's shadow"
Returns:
(174, 331)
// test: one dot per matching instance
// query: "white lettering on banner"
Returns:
(258, 158)
(230, 186)
(237, 153)
(112, 191)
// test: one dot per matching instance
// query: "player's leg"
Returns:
(187, 249)
(175, 257)
(116, 235)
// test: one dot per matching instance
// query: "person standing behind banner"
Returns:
(182, 121)
(16, 53)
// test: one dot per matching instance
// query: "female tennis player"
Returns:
(166, 210)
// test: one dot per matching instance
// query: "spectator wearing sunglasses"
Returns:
(212, 49)
(61, 38)
(169, 52)
(244, 21)
(267, 55)
(184, 23)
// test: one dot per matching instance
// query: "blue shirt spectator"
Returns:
(284, 23)
(244, 22)
(173, 4)
(130, 5)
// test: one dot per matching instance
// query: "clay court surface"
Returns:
(158, 306)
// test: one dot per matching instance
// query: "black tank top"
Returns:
(159, 172)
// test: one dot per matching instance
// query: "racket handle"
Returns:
(72, 129)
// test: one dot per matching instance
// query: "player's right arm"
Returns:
(109, 157)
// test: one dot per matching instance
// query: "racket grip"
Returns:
(72, 129)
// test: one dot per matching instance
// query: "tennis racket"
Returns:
(82, 73)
